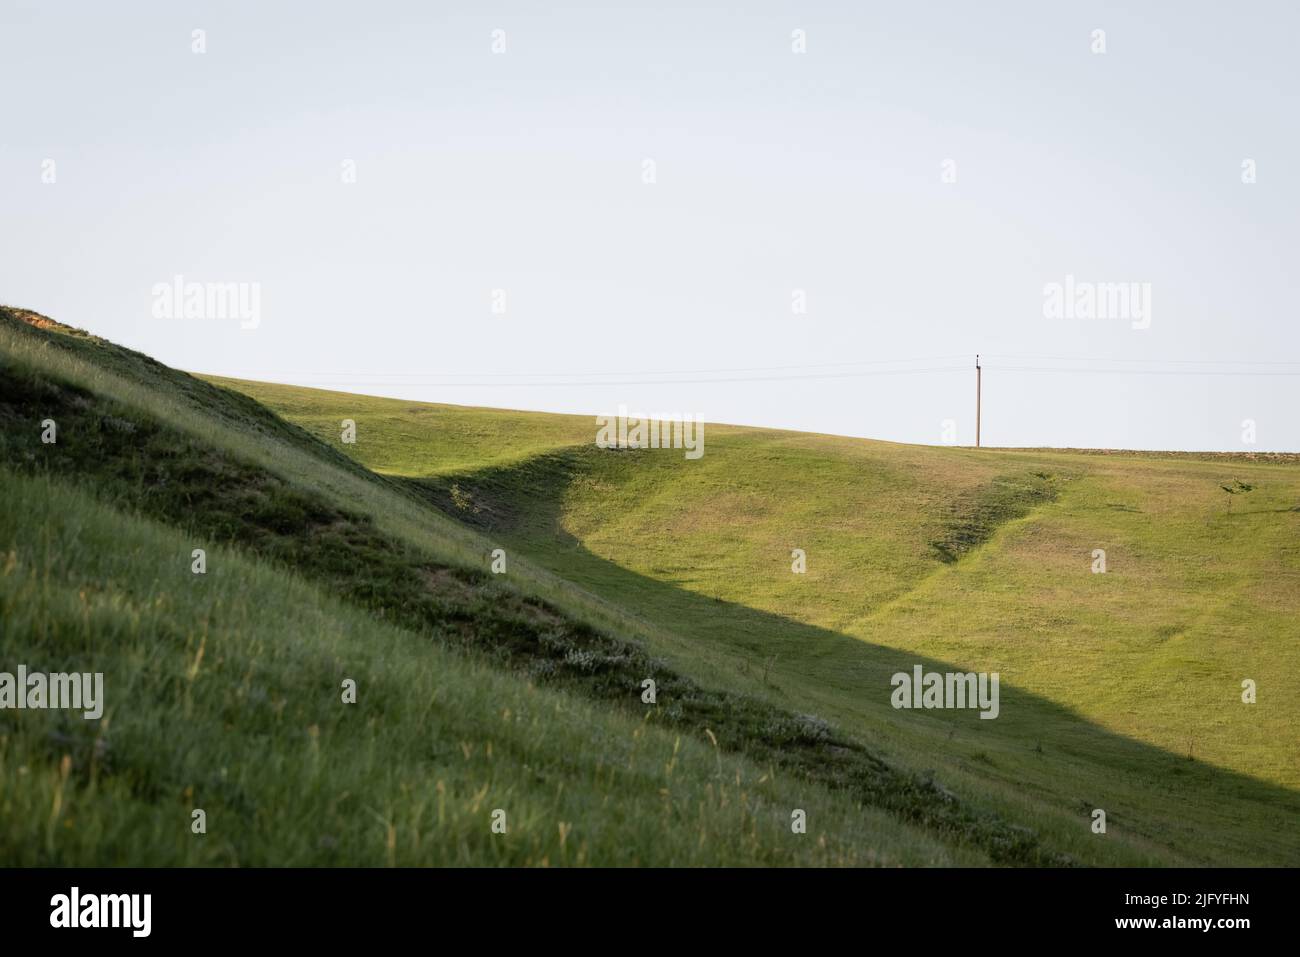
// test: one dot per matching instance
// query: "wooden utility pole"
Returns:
(977, 400)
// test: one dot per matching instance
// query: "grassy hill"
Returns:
(1121, 690)
(522, 691)
(474, 694)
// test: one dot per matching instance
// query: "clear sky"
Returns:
(775, 171)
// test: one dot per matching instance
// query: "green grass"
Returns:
(80, 589)
(224, 694)
(1120, 691)
(371, 560)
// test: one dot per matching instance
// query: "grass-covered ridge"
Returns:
(1121, 690)
(131, 463)
(627, 566)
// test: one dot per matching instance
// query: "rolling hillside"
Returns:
(474, 695)
(1122, 690)
(523, 691)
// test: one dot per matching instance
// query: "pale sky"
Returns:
(775, 171)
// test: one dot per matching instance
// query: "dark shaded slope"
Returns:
(225, 405)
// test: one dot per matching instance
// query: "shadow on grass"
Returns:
(133, 462)
(1208, 814)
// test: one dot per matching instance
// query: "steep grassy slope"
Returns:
(474, 693)
(1121, 690)
(224, 694)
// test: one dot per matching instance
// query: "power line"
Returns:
(553, 384)
(723, 376)
(1214, 372)
(1278, 362)
(494, 375)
